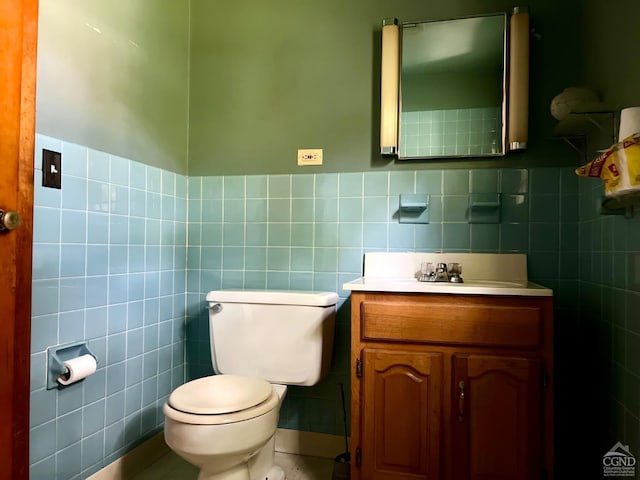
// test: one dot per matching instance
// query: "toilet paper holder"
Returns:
(57, 355)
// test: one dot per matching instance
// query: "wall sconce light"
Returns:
(518, 98)
(390, 87)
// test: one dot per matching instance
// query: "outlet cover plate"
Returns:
(51, 169)
(310, 156)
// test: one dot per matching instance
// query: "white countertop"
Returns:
(483, 274)
(470, 287)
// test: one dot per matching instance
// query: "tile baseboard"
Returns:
(134, 461)
(312, 444)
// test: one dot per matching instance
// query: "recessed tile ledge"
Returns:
(483, 274)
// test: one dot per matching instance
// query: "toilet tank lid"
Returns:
(274, 297)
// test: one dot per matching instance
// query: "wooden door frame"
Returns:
(18, 42)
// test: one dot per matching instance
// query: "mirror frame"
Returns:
(515, 106)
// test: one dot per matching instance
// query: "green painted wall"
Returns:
(113, 76)
(610, 40)
(269, 78)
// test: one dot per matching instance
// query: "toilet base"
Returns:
(276, 473)
(241, 473)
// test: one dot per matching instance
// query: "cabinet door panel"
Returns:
(402, 411)
(496, 418)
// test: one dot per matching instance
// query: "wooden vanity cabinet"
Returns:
(451, 387)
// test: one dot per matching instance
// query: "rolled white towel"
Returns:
(574, 100)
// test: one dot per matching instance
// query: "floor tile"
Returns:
(296, 467)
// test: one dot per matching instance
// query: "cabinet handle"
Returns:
(461, 401)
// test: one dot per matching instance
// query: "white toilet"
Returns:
(261, 341)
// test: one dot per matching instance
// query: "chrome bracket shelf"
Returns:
(622, 205)
(577, 127)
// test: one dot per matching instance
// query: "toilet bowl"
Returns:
(220, 437)
(225, 424)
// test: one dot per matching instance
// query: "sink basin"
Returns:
(483, 274)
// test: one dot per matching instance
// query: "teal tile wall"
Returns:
(108, 268)
(311, 231)
(608, 337)
(125, 253)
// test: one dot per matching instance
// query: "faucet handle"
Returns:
(427, 272)
(426, 268)
(455, 270)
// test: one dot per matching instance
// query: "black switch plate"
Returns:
(51, 169)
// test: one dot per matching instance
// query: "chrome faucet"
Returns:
(440, 273)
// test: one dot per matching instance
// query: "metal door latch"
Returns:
(9, 220)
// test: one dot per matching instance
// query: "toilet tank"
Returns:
(281, 336)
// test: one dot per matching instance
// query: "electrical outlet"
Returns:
(310, 156)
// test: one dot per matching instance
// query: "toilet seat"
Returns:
(220, 399)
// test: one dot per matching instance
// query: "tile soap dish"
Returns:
(413, 208)
(484, 208)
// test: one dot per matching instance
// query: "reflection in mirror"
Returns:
(453, 88)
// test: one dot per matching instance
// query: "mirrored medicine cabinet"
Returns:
(455, 88)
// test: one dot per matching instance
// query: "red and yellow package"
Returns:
(618, 167)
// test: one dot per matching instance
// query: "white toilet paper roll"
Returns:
(629, 122)
(77, 369)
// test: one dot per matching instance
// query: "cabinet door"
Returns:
(496, 410)
(401, 415)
